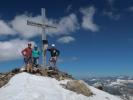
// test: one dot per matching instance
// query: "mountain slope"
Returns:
(25, 86)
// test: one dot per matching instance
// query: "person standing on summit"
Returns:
(54, 55)
(35, 55)
(27, 54)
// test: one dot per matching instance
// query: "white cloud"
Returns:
(74, 58)
(111, 2)
(69, 8)
(112, 15)
(66, 39)
(68, 59)
(5, 29)
(131, 8)
(87, 20)
(19, 24)
(65, 25)
(11, 50)
(113, 12)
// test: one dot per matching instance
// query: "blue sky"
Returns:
(95, 37)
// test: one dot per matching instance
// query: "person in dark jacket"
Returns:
(54, 55)
(27, 54)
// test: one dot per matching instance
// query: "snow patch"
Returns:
(25, 86)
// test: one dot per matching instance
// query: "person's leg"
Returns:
(30, 68)
(54, 62)
(29, 65)
(33, 61)
(50, 62)
(26, 62)
(37, 61)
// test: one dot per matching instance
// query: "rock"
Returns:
(44, 72)
(99, 86)
(16, 70)
(57, 74)
(54, 73)
(5, 78)
(78, 87)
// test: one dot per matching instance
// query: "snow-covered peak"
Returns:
(25, 86)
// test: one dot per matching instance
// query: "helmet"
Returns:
(53, 45)
(35, 46)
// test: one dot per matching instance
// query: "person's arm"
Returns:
(48, 49)
(38, 52)
(22, 52)
(58, 52)
(32, 53)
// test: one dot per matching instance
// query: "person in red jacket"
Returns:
(27, 54)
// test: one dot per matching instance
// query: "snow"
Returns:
(116, 84)
(25, 86)
(120, 82)
(93, 79)
(125, 81)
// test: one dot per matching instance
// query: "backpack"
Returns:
(57, 52)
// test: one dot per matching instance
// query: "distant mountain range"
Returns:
(121, 86)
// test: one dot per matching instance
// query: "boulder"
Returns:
(78, 87)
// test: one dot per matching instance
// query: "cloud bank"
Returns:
(11, 50)
(65, 25)
(5, 29)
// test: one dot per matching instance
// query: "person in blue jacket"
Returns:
(35, 55)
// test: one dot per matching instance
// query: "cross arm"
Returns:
(34, 24)
(38, 24)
